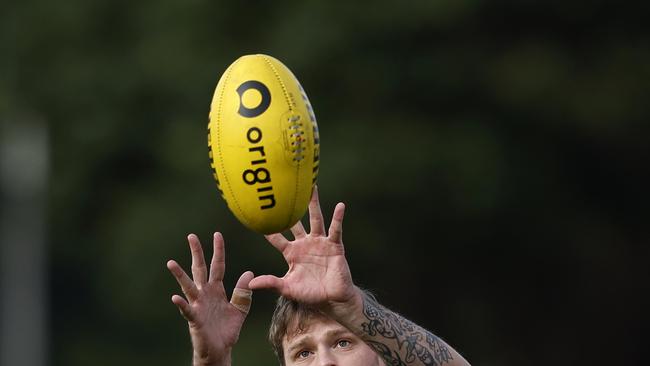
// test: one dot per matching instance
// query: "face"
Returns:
(325, 342)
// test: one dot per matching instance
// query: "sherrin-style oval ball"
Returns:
(263, 143)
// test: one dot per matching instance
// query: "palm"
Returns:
(318, 271)
(216, 323)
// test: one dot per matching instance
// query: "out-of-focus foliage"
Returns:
(493, 157)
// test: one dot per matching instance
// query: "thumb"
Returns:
(267, 282)
(242, 295)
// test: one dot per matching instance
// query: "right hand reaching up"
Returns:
(214, 322)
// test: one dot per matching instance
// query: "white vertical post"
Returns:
(23, 282)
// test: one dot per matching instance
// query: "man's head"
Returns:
(301, 335)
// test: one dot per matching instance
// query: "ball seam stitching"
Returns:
(223, 168)
(294, 198)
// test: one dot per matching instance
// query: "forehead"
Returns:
(314, 328)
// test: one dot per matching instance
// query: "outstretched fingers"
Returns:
(316, 222)
(184, 307)
(267, 282)
(242, 295)
(244, 280)
(336, 227)
(187, 285)
(218, 264)
(199, 269)
(298, 230)
(278, 241)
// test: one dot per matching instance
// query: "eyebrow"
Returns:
(298, 345)
(305, 339)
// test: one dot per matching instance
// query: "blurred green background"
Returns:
(493, 157)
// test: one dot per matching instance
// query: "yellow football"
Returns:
(263, 143)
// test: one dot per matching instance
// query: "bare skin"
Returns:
(318, 271)
(214, 323)
(326, 342)
(318, 274)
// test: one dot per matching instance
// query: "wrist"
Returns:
(347, 312)
(206, 360)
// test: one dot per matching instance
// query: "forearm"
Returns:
(198, 361)
(396, 339)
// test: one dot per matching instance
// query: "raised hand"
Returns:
(214, 322)
(318, 272)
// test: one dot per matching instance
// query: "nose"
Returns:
(326, 357)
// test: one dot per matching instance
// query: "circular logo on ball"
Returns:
(264, 103)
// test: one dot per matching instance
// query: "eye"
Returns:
(343, 343)
(303, 354)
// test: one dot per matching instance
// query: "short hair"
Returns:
(288, 313)
(293, 314)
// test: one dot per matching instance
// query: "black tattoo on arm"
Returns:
(390, 357)
(413, 342)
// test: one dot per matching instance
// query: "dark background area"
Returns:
(493, 157)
